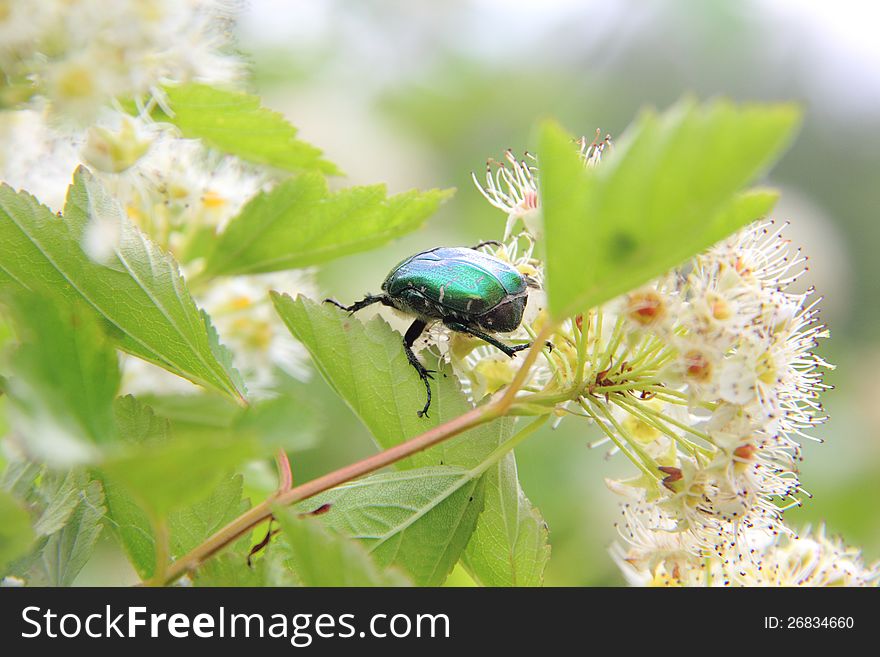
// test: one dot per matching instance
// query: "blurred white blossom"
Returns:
(808, 559)
(79, 57)
(67, 71)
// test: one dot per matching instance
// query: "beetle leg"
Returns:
(479, 246)
(485, 337)
(368, 300)
(412, 334)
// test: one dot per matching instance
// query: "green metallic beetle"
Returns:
(467, 290)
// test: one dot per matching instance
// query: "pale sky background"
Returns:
(835, 43)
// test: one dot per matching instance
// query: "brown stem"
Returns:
(263, 511)
(522, 373)
(160, 532)
(285, 476)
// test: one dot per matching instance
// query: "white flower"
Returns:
(114, 149)
(81, 57)
(808, 559)
(179, 191)
(248, 325)
(36, 158)
(513, 186)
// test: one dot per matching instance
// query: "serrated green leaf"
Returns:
(321, 557)
(131, 526)
(62, 494)
(57, 559)
(16, 534)
(65, 378)
(192, 525)
(289, 420)
(235, 123)
(420, 520)
(230, 569)
(138, 290)
(136, 424)
(20, 478)
(299, 223)
(510, 546)
(68, 550)
(367, 367)
(187, 525)
(174, 473)
(663, 194)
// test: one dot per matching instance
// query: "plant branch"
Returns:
(285, 476)
(499, 405)
(261, 512)
(519, 379)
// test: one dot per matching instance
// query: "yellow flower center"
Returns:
(76, 82)
(213, 200)
(697, 366)
(646, 307)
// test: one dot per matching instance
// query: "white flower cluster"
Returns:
(66, 69)
(807, 559)
(705, 379)
(736, 387)
(76, 56)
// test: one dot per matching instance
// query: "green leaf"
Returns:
(68, 550)
(231, 567)
(20, 478)
(299, 223)
(138, 290)
(235, 123)
(420, 520)
(510, 546)
(16, 534)
(66, 376)
(290, 420)
(167, 475)
(129, 522)
(131, 525)
(62, 494)
(187, 525)
(192, 525)
(322, 557)
(137, 422)
(194, 411)
(57, 559)
(365, 364)
(664, 193)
